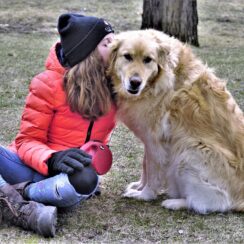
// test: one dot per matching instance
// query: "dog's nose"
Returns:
(135, 82)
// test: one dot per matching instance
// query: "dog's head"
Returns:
(141, 59)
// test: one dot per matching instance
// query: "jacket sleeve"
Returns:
(31, 141)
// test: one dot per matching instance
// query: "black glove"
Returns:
(68, 161)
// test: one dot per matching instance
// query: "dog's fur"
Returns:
(191, 126)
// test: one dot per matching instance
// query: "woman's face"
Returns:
(103, 47)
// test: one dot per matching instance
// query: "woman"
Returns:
(69, 104)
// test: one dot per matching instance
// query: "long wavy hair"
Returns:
(87, 87)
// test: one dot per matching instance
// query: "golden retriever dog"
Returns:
(189, 123)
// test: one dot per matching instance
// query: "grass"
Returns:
(27, 30)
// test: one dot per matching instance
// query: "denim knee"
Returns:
(56, 191)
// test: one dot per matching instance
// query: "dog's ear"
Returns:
(163, 55)
(168, 51)
(114, 46)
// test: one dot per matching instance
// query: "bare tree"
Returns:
(177, 18)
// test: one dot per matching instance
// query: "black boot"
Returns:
(27, 214)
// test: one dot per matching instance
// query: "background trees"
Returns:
(177, 18)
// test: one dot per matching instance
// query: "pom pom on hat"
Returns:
(79, 36)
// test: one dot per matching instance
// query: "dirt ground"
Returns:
(27, 31)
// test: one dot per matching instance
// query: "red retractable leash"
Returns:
(101, 156)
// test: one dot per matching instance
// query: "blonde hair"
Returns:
(87, 87)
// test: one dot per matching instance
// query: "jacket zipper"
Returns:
(88, 135)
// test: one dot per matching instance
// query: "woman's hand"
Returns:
(68, 161)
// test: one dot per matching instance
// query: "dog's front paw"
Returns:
(145, 194)
(137, 185)
(175, 204)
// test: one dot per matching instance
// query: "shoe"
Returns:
(29, 215)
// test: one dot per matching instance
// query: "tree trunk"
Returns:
(175, 17)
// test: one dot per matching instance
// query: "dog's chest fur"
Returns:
(146, 118)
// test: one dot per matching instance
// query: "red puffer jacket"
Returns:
(48, 125)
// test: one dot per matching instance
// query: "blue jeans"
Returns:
(56, 191)
(14, 171)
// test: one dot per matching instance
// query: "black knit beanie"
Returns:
(79, 35)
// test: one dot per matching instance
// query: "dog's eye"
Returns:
(147, 60)
(128, 57)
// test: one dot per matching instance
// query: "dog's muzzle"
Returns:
(134, 84)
